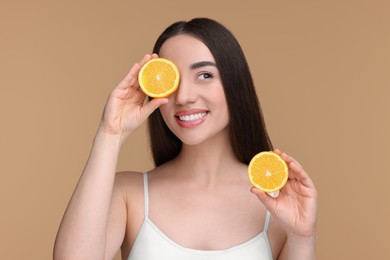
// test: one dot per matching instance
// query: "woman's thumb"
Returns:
(153, 105)
(268, 201)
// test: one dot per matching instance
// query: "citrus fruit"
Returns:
(159, 77)
(268, 172)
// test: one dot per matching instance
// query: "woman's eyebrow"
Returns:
(202, 64)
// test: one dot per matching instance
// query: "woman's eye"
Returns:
(204, 76)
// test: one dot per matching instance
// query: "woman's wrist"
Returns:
(297, 239)
(301, 247)
(108, 139)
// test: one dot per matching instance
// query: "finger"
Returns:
(277, 151)
(286, 157)
(298, 173)
(145, 59)
(268, 201)
(153, 105)
(296, 170)
(142, 62)
(131, 78)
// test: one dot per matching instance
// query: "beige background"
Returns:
(322, 73)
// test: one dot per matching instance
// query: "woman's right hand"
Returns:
(126, 108)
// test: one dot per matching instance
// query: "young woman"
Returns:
(196, 203)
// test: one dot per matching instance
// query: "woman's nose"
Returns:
(185, 93)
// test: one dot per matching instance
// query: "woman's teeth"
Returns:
(192, 117)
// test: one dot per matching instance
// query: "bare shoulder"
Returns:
(127, 178)
(130, 186)
(128, 183)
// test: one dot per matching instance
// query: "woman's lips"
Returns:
(190, 118)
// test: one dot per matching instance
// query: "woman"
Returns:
(196, 203)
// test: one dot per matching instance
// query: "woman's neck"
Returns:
(210, 162)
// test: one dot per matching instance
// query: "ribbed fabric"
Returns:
(151, 243)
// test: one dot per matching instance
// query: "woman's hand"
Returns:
(126, 109)
(296, 206)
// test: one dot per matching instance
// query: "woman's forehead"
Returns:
(185, 49)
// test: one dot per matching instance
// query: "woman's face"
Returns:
(197, 111)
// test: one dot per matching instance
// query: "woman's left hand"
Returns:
(296, 206)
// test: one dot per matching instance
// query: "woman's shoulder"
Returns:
(129, 187)
(129, 184)
(128, 175)
(133, 181)
(128, 179)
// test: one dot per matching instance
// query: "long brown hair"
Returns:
(248, 134)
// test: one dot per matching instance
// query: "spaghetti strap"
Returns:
(266, 223)
(146, 195)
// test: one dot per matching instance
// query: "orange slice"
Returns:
(159, 77)
(268, 172)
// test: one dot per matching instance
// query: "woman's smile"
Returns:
(191, 118)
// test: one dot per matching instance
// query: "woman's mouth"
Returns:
(192, 117)
(188, 120)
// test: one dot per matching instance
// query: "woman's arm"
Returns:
(296, 210)
(86, 223)
(82, 233)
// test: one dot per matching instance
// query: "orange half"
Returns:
(268, 171)
(159, 77)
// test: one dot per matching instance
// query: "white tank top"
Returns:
(151, 243)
